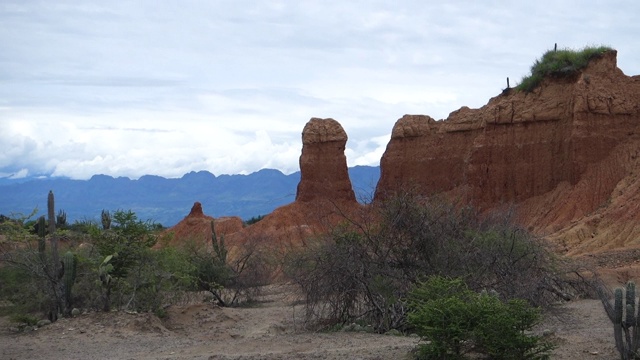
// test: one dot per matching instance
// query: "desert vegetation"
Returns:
(423, 265)
(559, 63)
(473, 322)
(48, 270)
(466, 285)
(624, 313)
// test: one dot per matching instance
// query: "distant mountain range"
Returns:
(167, 201)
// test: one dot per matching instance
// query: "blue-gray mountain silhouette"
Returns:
(167, 201)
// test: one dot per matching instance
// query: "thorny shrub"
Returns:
(364, 269)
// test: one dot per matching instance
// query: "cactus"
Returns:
(625, 320)
(52, 231)
(42, 244)
(55, 271)
(51, 213)
(41, 226)
(61, 219)
(630, 304)
(70, 263)
(105, 216)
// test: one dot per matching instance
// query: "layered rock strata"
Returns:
(561, 154)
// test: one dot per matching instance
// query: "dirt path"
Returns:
(269, 331)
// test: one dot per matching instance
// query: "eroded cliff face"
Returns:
(562, 155)
(565, 157)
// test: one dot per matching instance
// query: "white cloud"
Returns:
(134, 88)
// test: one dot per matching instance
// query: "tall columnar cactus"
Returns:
(626, 320)
(51, 212)
(42, 244)
(52, 231)
(55, 271)
(70, 263)
(105, 217)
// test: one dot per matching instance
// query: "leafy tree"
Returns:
(130, 274)
(127, 239)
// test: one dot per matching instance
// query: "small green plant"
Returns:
(559, 63)
(253, 220)
(27, 319)
(161, 313)
(104, 272)
(457, 321)
(105, 218)
(625, 319)
(61, 219)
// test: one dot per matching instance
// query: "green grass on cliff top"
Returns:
(560, 63)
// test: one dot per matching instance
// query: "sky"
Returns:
(129, 88)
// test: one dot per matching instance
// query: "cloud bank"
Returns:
(135, 88)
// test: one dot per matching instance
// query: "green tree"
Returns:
(126, 240)
(132, 275)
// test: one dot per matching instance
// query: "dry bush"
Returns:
(364, 269)
(231, 274)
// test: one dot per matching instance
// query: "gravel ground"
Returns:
(268, 331)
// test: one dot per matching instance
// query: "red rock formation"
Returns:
(564, 153)
(324, 196)
(323, 165)
(196, 228)
(323, 199)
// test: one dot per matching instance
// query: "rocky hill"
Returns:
(564, 156)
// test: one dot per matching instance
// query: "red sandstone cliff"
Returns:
(566, 155)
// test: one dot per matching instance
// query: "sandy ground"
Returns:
(271, 330)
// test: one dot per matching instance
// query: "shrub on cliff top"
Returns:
(559, 63)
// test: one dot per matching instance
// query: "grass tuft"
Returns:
(560, 63)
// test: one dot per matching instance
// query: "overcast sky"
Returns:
(128, 88)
